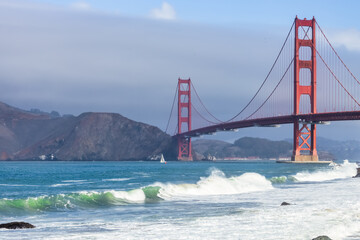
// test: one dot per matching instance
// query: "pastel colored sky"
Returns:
(229, 13)
(125, 56)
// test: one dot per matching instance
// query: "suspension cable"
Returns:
(172, 108)
(277, 85)
(277, 58)
(337, 53)
(332, 73)
(204, 105)
(202, 115)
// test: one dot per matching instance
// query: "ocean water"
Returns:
(179, 200)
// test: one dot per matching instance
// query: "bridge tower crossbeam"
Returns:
(303, 150)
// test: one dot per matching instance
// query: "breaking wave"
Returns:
(341, 171)
(71, 201)
(281, 179)
(215, 184)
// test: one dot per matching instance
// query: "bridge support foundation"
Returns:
(184, 145)
(305, 158)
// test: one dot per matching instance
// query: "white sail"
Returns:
(162, 159)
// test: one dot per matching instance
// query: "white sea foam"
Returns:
(17, 185)
(344, 170)
(69, 182)
(73, 181)
(60, 185)
(116, 179)
(216, 184)
(133, 196)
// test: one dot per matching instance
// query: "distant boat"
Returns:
(162, 159)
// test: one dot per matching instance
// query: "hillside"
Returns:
(248, 147)
(90, 136)
(243, 147)
(349, 149)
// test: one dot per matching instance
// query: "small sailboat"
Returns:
(162, 159)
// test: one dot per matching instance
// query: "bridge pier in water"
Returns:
(304, 147)
(304, 151)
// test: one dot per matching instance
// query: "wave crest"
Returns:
(344, 170)
(281, 179)
(216, 184)
(71, 201)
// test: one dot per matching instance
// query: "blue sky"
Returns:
(338, 14)
(125, 56)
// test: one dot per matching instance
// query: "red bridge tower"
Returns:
(184, 119)
(304, 132)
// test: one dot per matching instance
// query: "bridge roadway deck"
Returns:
(306, 118)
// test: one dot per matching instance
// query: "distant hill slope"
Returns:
(248, 147)
(90, 136)
(243, 147)
(264, 148)
(349, 149)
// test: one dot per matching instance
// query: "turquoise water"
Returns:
(179, 200)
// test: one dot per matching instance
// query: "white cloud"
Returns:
(165, 12)
(350, 39)
(80, 6)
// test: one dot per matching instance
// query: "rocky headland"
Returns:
(34, 135)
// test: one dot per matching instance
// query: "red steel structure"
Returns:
(303, 149)
(302, 92)
(184, 119)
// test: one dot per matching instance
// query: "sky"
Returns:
(126, 56)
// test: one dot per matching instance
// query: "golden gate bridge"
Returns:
(308, 84)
